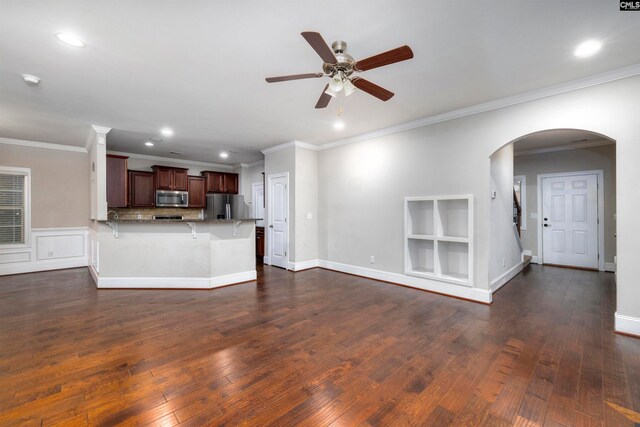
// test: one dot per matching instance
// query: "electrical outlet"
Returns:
(372, 259)
(50, 254)
(309, 215)
(139, 216)
(533, 215)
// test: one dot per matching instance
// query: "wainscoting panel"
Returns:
(51, 249)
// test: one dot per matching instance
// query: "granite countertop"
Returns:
(173, 221)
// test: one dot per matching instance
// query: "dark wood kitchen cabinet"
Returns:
(197, 192)
(142, 189)
(117, 181)
(169, 178)
(221, 182)
(260, 242)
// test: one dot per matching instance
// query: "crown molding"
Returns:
(291, 144)
(583, 83)
(250, 165)
(101, 129)
(575, 146)
(171, 159)
(46, 145)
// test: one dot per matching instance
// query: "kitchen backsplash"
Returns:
(148, 213)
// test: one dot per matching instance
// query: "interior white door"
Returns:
(570, 220)
(278, 232)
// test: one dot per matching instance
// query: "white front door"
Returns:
(278, 229)
(570, 220)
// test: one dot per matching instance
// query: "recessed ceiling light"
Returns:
(149, 144)
(31, 79)
(70, 39)
(224, 154)
(166, 131)
(588, 48)
(338, 125)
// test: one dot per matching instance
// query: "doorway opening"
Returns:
(564, 198)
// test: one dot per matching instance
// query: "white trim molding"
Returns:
(172, 282)
(437, 286)
(304, 265)
(250, 165)
(627, 324)
(506, 277)
(51, 249)
(45, 145)
(610, 267)
(292, 144)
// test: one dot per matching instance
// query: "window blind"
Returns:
(12, 208)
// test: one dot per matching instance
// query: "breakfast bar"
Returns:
(173, 254)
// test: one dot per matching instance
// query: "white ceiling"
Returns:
(199, 66)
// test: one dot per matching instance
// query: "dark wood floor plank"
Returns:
(314, 348)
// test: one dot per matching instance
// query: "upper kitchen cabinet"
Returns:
(169, 178)
(117, 181)
(221, 182)
(142, 192)
(197, 192)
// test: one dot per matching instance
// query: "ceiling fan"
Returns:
(339, 67)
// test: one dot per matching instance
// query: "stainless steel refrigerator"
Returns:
(226, 206)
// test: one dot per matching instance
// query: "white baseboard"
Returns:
(535, 260)
(627, 324)
(610, 266)
(304, 265)
(526, 252)
(505, 277)
(460, 291)
(174, 282)
(50, 249)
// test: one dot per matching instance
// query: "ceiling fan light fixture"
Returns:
(336, 83)
(348, 87)
(331, 92)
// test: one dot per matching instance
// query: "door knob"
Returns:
(545, 219)
(545, 225)
(271, 226)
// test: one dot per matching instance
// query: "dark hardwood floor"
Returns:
(315, 348)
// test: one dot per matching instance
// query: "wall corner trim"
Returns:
(627, 324)
(291, 144)
(506, 277)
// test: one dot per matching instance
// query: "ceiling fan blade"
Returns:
(324, 99)
(389, 57)
(293, 77)
(320, 46)
(372, 89)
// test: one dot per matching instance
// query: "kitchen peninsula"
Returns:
(186, 254)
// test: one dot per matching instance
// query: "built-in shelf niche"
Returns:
(420, 218)
(422, 255)
(438, 238)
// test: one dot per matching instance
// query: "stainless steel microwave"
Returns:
(173, 199)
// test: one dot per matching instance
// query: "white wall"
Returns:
(361, 185)
(306, 205)
(59, 184)
(592, 158)
(249, 176)
(505, 252)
